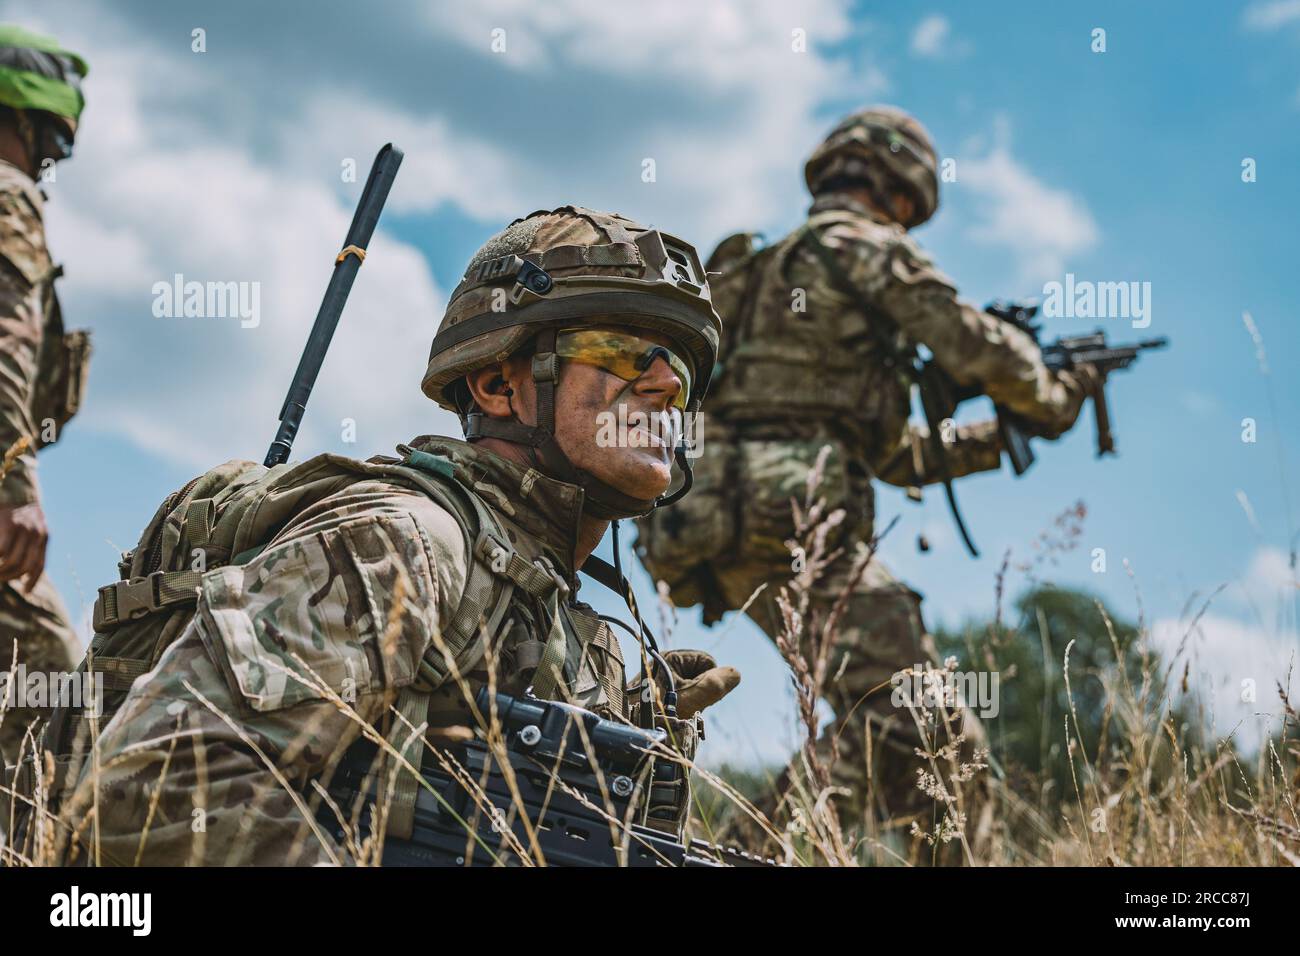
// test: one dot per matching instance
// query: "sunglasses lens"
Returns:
(622, 354)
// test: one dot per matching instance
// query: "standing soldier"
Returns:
(385, 583)
(42, 369)
(820, 333)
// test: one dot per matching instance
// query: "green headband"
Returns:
(27, 89)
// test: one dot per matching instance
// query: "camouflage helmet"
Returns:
(38, 74)
(566, 268)
(560, 269)
(880, 138)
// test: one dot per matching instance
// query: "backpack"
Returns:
(228, 516)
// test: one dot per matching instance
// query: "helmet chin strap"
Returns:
(28, 135)
(601, 500)
(688, 477)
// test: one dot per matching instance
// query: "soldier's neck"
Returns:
(590, 530)
(856, 200)
(13, 151)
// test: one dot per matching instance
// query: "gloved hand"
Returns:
(1087, 377)
(700, 681)
(1081, 381)
(1074, 386)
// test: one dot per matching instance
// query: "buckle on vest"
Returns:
(544, 564)
(124, 601)
(494, 551)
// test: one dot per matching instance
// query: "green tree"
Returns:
(1115, 683)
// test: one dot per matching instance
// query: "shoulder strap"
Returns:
(482, 604)
(904, 361)
(495, 571)
(495, 567)
(884, 329)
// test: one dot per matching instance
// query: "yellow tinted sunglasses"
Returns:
(621, 354)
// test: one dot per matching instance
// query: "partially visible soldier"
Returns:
(373, 588)
(42, 369)
(820, 332)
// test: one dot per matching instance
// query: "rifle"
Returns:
(940, 395)
(373, 196)
(572, 771)
(1066, 352)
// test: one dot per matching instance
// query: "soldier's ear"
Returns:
(491, 390)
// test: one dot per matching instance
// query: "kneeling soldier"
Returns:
(405, 585)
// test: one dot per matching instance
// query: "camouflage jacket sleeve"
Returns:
(270, 683)
(24, 268)
(972, 346)
(971, 449)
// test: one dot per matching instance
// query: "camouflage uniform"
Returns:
(324, 591)
(41, 376)
(42, 369)
(803, 365)
(361, 587)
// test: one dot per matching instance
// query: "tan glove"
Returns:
(1087, 377)
(700, 681)
(1082, 381)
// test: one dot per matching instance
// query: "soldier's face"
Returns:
(619, 431)
(903, 207)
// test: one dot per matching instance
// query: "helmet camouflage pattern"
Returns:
(563, 269)
(568, 268)
(875, 139)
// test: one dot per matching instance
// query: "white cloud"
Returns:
(931, 35)
(1040, 225)
(166, 182)
(1229, 655)
(721, 45)
(140, 204)
(1267, 586)
(933, 39)
(1230, 660)
(438, 166)
(1271, 15)
(740, 169)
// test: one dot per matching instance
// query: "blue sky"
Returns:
(1123, 165)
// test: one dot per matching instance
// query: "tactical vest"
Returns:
(62, 368)
(64, 358)
(230, 514)
(793, 341)
(807, 358)
(805, 362)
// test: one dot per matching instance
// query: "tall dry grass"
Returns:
(1153, 786)
(1156, 789)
